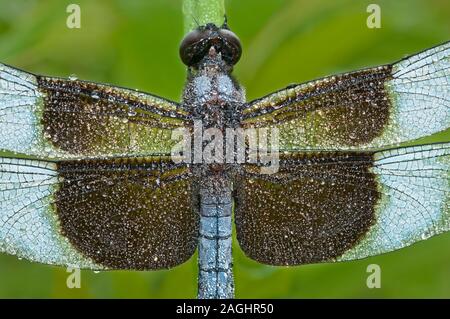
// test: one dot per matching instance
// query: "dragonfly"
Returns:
(89, 178)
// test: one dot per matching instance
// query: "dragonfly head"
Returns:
(210, 43)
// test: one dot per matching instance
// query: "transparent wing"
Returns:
(62, 118)
(367, 109)
(128, 213)
(328, 206)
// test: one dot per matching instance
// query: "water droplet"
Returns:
(425, 236)
(95, 95)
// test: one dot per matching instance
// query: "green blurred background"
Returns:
(135, 44)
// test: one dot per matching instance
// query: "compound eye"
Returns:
(193, 46)
(232, 47)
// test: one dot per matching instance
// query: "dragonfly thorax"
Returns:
(212, 93)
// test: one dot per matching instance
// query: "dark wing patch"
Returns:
(128, 215)
(93, 119)
(350, 109)
(314, 209)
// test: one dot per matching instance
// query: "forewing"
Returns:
(133, 213)
(62, 118)
(366, 109)
(322, 207)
